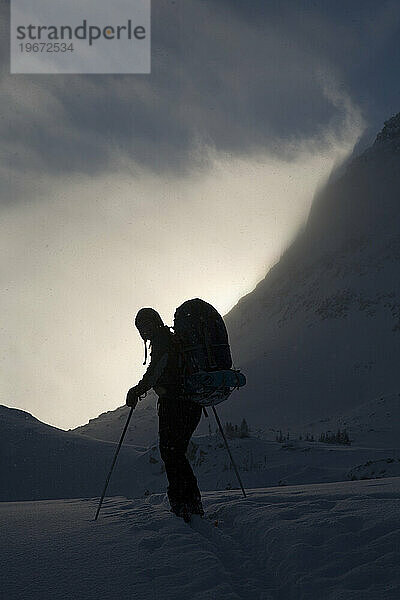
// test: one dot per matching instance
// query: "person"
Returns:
(178, 416)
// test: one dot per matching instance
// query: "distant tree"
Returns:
(244, 429)
(340, 437)
(229, 430)
(279, 437)
(346, 439)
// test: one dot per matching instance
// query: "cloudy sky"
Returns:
(118, 192)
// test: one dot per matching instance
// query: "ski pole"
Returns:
(227, 447)
(113, 462)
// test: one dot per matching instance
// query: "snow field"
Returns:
(42, 462)
(262, 463)
(321, 542)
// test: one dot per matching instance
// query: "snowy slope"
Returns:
(376, 469)
(375, 424)
(39, 461)
(263, 463)
(325, 542)
(108, 426)
(42, 462)
(321, 333)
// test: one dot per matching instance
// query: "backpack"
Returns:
(202, 339)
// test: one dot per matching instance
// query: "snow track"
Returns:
(321, 542)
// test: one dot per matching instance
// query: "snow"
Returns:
(375, 424)
(338, 540)
(326, 542)
(320, 334)
(372, 424)
(42, 462)
(318, 339)
(376, 469)
(261, 463)
(142, 432)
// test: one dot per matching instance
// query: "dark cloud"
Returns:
(240, 77)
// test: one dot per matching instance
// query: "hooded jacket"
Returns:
(164, 373)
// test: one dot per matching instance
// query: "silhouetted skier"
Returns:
(178, 417)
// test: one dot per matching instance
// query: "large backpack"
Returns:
(200, 332)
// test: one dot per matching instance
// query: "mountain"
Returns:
(143, 430)
(42, 462)
(320, 335)
(375, 424)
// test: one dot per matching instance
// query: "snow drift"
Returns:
(325, 542)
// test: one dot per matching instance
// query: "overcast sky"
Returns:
(118, 192)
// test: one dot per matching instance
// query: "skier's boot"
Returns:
(195, 507)
(180, 509)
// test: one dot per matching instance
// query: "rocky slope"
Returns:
(321, 333)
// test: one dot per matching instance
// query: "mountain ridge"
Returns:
(342, 267)
(320, 334)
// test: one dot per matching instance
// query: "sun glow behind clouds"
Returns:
(82, 260)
